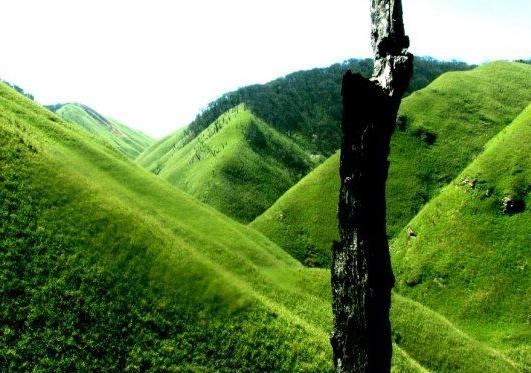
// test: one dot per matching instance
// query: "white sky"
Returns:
(154, 63)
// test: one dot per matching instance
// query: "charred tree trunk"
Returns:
(362, 277)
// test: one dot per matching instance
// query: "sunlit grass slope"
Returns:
(129, 141)
(157, 154)
(306, 105)
(443, 128)
(469, 259)
(105, 267)
(239, 164)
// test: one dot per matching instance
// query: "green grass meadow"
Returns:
(469, 260)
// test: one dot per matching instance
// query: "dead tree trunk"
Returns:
(362, 277)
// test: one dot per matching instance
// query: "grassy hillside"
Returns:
(306, 105)
(469, 259)
(106, 267)
(95, 253)
(127, 140)
(442, 129)
(303, 220)
(160, 150)
(239, 164)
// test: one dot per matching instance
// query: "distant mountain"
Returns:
(106, 267)
(442, 128)
(239, 164)
(127, 140)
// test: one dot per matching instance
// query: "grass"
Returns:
(303, 220)
(469, 260)
(160, 150)
(239, 164)
(127, 140)
(443, 128)
(306, 105)
(105, 266)
(95, 253)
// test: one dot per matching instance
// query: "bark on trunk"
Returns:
(362, 277)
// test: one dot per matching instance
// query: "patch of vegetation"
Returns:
(425, 135)
(401, 122)
(106, 267)
(474, 259)
(239, 164)
(462, 111)
(306, 105)
(127, 140)
(19, 90)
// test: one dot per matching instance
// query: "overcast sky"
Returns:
(153, 64)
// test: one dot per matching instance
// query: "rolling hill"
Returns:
(469, 257)
(306, 105)
(239, 164)
(127, 140)
(106, 267)
(243, 171)
(442, 128)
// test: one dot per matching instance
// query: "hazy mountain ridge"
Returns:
(304, 108)
(306, 105)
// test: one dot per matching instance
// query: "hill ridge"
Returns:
(238, 164)
(456, 114)
(306, 104)
(128, 141)
(483, 265)
(98, 270)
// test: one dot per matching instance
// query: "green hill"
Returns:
(160, 150)
(127, 140)
(442, 128)
(306, 105)
(242, 167)
(469, 259)
(105, 267)
(239, 164)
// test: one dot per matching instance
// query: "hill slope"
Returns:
(306, 105)
(469, 259)
(106, 267)
(239, 164)
(442, 128)
(129, 141)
